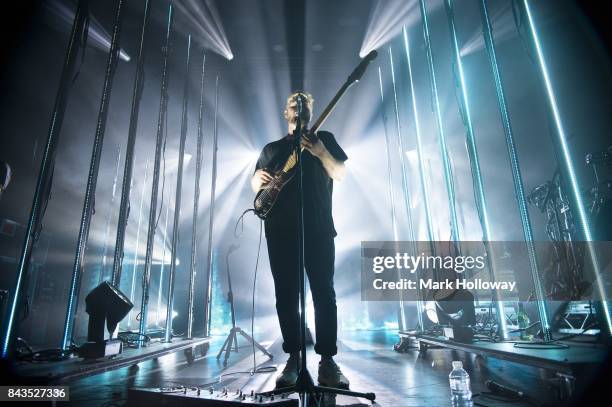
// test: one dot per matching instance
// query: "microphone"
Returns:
(503, 390)
(299, 102)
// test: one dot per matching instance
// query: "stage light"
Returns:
(105, 304)
(455, 310)
(457, 314)
(431, 312)
(204, 17)
(386, 21)
(98, 36)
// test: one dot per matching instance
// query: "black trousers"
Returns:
(319, 256)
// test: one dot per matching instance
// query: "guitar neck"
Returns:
(330, 107)
(354, 77)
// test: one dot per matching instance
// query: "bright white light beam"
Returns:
(203, 15)
(100, 38)
(386, 21)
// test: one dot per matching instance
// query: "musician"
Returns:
(322, 163)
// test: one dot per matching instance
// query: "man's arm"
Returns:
(335, 168)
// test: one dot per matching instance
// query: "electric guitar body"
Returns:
(267, 196)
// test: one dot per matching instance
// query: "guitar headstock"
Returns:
(356, 75)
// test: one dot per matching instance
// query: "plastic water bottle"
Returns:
(461, 394)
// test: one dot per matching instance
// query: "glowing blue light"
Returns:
(406, 190)
(389, 173)
(582, 214)
(163, 261)
(418, 142)
(395, 233)
(448, 174)
(401, 151)
(516, 170)
(474, 160)
(7, 336)
(470, 133)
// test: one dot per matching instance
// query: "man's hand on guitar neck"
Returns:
(260, 179)
(335, 169)
(313, 144)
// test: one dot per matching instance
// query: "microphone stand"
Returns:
(304, 384)
(231, 342)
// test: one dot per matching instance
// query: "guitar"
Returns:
(267, 196)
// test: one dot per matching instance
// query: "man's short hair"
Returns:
(307, 96)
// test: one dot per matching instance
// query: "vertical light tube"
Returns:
(45, 174)
(391, 196)
(161, 124)
(92, 178)
(405, 186)
(124, 205)
(516, 171)
(568, 166)
(402, 321)
(135, 261)
(401, 152)
(163, 262)
(108, 218)
(177, 213)
(448, 173)
(196, 204)
(419, 144)
(209, 264)
(477, 181)
(389, 173)
(420, 159)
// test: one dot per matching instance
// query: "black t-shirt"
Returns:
(318, 187)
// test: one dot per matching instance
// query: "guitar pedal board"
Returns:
(193, 396)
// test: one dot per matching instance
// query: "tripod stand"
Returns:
(304, 385)
(231, 342)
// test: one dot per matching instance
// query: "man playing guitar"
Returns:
(322, 163)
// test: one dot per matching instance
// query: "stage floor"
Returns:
(366, 357)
